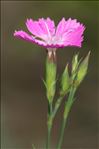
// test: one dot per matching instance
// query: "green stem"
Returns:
(61, 135)
(51, 115)
(68, 105)
(49, 136)
(49, 125)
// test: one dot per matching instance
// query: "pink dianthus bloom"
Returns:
(44, 33)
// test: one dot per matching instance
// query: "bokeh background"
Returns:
(24, 103)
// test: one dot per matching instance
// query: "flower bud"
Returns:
(82, 70)
(50, 79)
(65, 81)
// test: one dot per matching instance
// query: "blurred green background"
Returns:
(24, 104)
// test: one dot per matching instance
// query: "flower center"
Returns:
(54, 40)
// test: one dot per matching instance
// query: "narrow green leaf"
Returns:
(44, 83)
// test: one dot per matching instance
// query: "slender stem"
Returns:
(61, 134)
(68, 105)
(49, 135)
(51, 116)
(49, 125)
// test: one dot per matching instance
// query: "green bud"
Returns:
(50, 79)
(82, 71)
(65, 81)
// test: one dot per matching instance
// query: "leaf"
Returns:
(44, 83)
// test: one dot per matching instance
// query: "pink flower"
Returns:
(44, 33)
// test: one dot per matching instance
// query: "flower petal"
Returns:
(70, 32)
(75, 37)
(61, 27)
(43, 28)
(47, 26)
(23, 35)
